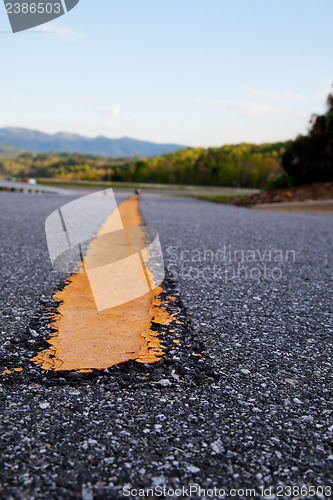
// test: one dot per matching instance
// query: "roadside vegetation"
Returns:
(242, 165)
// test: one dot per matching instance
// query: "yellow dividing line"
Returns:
(87, 338)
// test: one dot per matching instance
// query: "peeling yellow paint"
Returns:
(9, 372)
(90, 339)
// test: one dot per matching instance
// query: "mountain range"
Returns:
(63, 142)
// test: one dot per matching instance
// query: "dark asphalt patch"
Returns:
(182, 362)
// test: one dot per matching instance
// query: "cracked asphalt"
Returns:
(243, 400)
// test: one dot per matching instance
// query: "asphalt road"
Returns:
(243, 401)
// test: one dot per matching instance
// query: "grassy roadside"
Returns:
(116, 185)
(187, 190)
(87, 184)
(315, 197)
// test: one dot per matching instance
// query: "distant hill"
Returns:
(39, 142)
(7, 150)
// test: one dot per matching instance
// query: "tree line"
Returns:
(244, 165)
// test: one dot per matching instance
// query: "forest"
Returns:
(243, 165)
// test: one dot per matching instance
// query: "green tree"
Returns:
(310, 158)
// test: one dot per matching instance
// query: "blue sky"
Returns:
(193, 72)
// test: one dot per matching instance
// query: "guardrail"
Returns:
(24, 187)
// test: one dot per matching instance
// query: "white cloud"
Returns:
(114, 111)
(257, 111)
(91, 128)
(325, 90)
(87, 98)
(59, 32)
(276, 96)
(328, 81)
(323, 95)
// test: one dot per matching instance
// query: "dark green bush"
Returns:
(283, 181)
(310, 158)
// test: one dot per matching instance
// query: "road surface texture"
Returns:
(243, 401)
